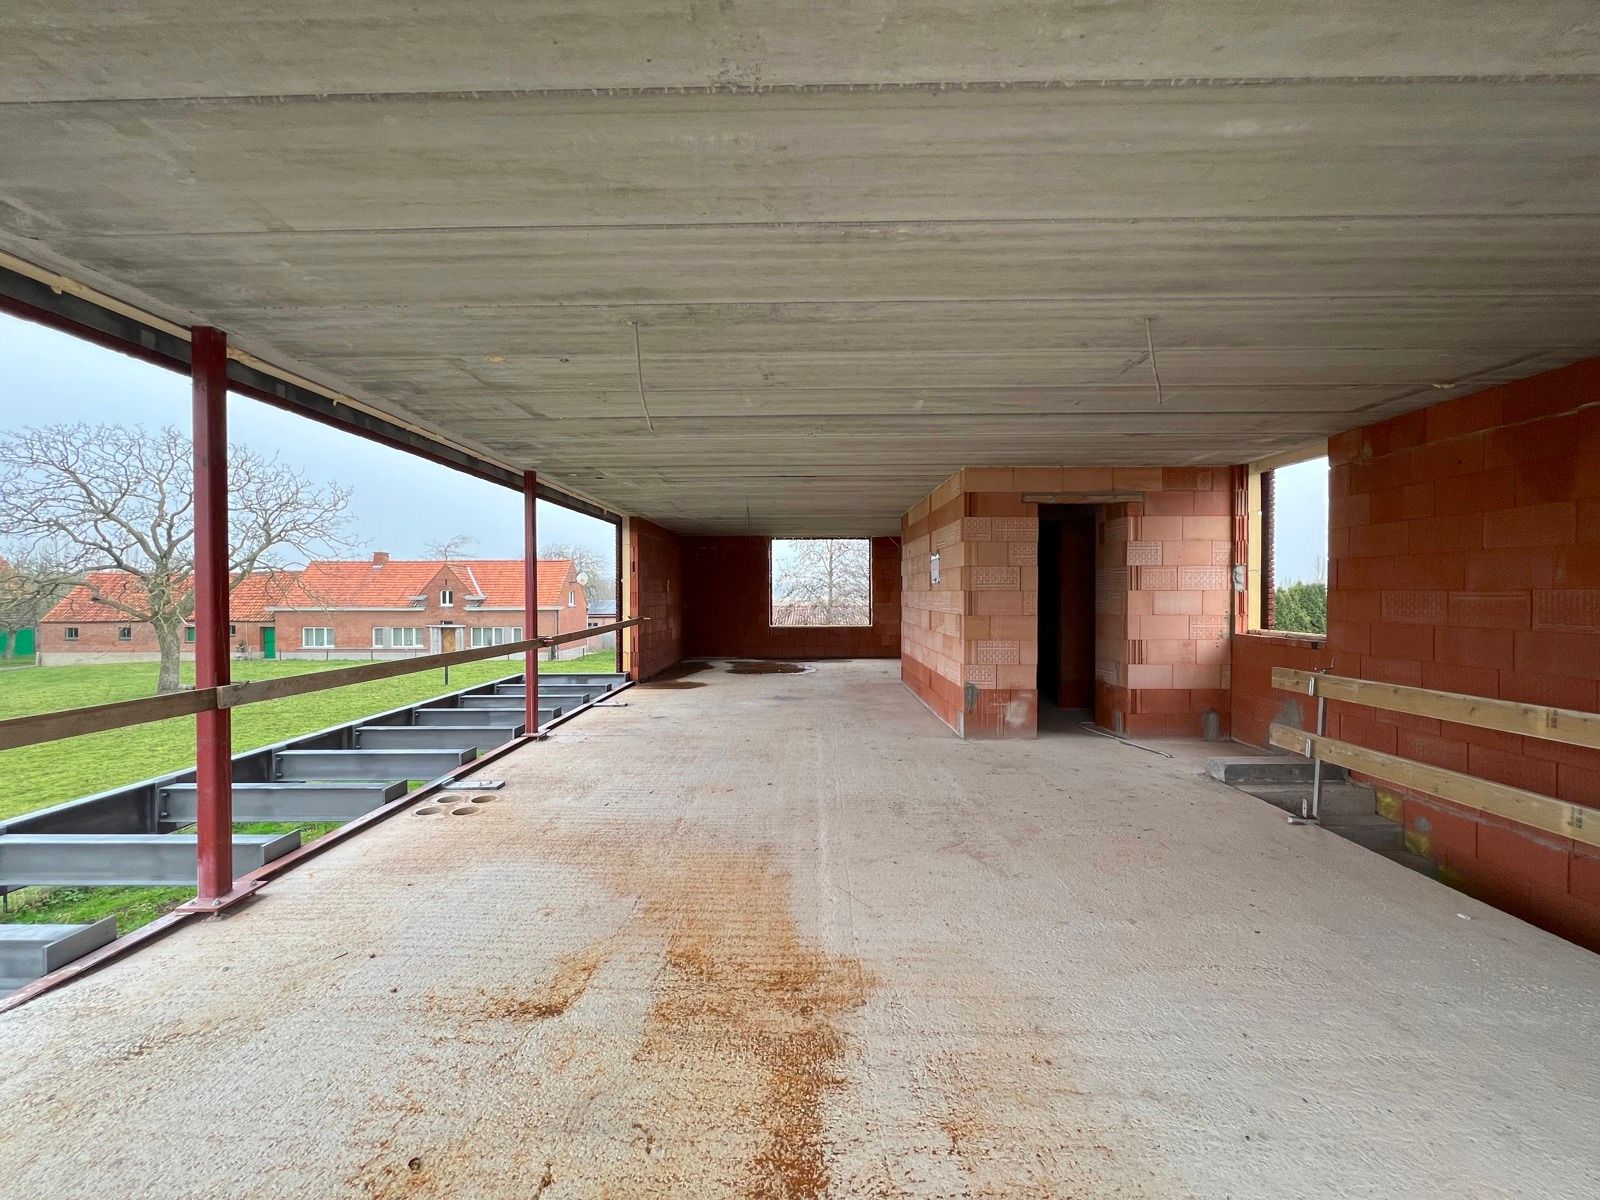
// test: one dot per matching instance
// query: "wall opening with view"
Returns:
(821, 581)
(1292, 531)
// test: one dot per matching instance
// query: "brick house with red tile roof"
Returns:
(84, 628)
(374, 608)
(393, 608)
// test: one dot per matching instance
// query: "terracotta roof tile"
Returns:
(392, 584)
(249, 602)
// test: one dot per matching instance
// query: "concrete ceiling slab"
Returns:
(859, 248)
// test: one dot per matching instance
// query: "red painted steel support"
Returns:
(213, 730)
(530, 584)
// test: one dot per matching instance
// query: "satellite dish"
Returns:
(583, 579)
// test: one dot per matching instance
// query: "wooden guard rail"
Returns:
(1567, 726)
(71, 722)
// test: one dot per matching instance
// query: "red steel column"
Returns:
(213, 730)
(530, 586)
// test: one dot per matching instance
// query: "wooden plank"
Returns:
(1569, 726)
(99, 718)
(256, 691)
(1525, 807)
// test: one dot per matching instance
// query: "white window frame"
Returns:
(572, 598)
(493, 635)
(396, 637)
(124, 633)
(72, 633)
(323, 639)
(447, 599)
(1255, 597)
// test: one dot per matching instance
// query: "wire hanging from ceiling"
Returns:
(1150, 344)
(638, 367)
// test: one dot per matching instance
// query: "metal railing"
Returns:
(98, 718)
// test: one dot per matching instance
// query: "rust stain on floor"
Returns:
(741, 1046)
(570, 981)
(749, 1007)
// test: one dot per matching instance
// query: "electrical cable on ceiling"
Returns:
(1150, 343)
(638, 366)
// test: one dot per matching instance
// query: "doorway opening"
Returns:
(1066, 615)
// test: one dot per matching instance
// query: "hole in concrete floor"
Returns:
(427, 810)
(768, 668)
(483, 799)
(448, 798)
(462, 811)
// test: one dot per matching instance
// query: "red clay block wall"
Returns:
(932, 614)
(727, 606)
(655, 591)
(1465, 556)
(1162, 596)
(1164, 604)
(1256, 704)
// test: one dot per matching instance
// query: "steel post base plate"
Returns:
(242, 890)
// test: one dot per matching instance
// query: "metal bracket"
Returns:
(241, 891)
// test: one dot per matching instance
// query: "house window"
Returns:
(396, 637)
(72, 633)
(188, 633)
(447, 599)
(1289, 545)
(821, 581)
(572, 599)
(499, 635)
(316, 637)
(124, 633)
(233, 631)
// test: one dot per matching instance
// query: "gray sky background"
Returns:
(1301, 532)
(401, 502)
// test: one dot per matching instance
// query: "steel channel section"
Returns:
(137, 807)
(29, 951)
(213, 728)
(128, 859)
(287, 801)
(428, 718)
(375, 765)
(442, 737)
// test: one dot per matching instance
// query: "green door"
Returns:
(269, 642)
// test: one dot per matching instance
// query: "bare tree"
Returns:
(32, 579)
(456, 547)
(601, 573)
(822, 581)
(109, 497)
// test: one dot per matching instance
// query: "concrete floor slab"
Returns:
(784, 936)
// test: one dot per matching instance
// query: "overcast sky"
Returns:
(1302, 522)
(401, 503)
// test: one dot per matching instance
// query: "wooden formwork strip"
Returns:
(1566, 725)
(1528, 808)
(99, 718)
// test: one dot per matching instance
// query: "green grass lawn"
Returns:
(35, 777)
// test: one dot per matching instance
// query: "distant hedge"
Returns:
(1302, 608)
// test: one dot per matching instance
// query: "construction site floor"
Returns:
(782, 935)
